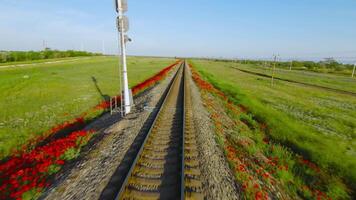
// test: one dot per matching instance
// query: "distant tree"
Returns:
(10, 56)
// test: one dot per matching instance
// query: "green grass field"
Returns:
(315, 123)
(34, 98)
(340, 82)
(29, 63)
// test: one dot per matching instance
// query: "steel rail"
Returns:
(183, 136)
(124, 186)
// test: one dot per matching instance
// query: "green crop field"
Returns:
(36, 97)
(313, 122)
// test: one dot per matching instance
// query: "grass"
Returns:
(37, 97)
(43, 61)
(318, 124)
(340, 82)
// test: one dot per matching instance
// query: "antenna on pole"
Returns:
(123, 27)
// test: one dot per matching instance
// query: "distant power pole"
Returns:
(103, 47)
(273, 70)
(265, 66)
(353, 71)
(291, 65)
(44, 44)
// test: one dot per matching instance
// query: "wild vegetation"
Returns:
(36, 98)
(25, 176)
(18, 56)
(298, 138)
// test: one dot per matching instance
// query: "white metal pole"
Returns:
(353, 71)
(127, 103)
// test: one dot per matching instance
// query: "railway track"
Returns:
(166, 166)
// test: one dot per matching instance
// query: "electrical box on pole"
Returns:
(122, 24)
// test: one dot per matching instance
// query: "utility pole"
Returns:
(353, 71)
(291, 65)
(265, 66)
(268, 67)
(103, 48)
(123, 24)
(273, 70)
(44, 45)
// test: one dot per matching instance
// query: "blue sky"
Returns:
(206, 28)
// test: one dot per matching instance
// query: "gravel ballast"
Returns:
(218, 180)
(88, 176)
(93, 172)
